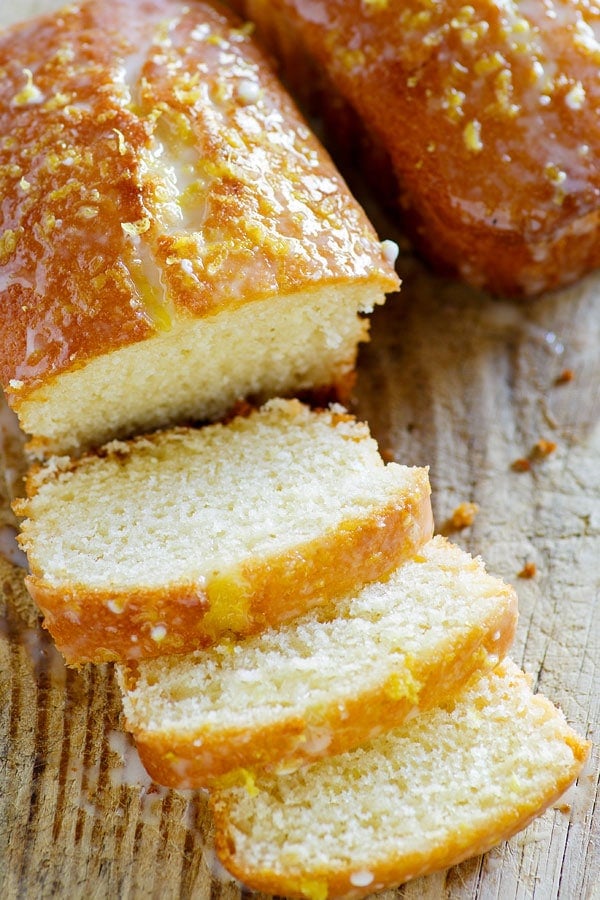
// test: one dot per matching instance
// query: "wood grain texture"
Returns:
(452, 379)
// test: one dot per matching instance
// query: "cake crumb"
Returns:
(565, 376)
(563, 807)
(529, 570)
(540, 450)
(544, 447)
(464, 515)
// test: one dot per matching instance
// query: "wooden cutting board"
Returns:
(452, 379)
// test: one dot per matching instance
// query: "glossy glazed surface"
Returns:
(489, 112)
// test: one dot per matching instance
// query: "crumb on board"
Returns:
(544, 447)
(529, 570)
(464, 515)
(565, 376)
(562, 807)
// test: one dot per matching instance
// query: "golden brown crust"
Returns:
(100, 626)
(99, 246)
(488, 114)
(197, 758)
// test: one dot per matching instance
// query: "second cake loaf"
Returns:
(477, 122)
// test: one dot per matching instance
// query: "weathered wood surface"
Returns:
(452, 379)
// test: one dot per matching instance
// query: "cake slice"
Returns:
(326, 682)
(165, 543)
(449, 784)
(172, 236)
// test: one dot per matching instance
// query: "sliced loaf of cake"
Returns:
(326, 682)
(164, 543)
(173, 237)
(449, 784)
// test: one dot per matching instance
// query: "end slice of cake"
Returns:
(450, 784)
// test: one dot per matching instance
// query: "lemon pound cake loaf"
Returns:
(326, 682)
(447, 97)
(164, 543)
(172, 237)
(450, 784)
